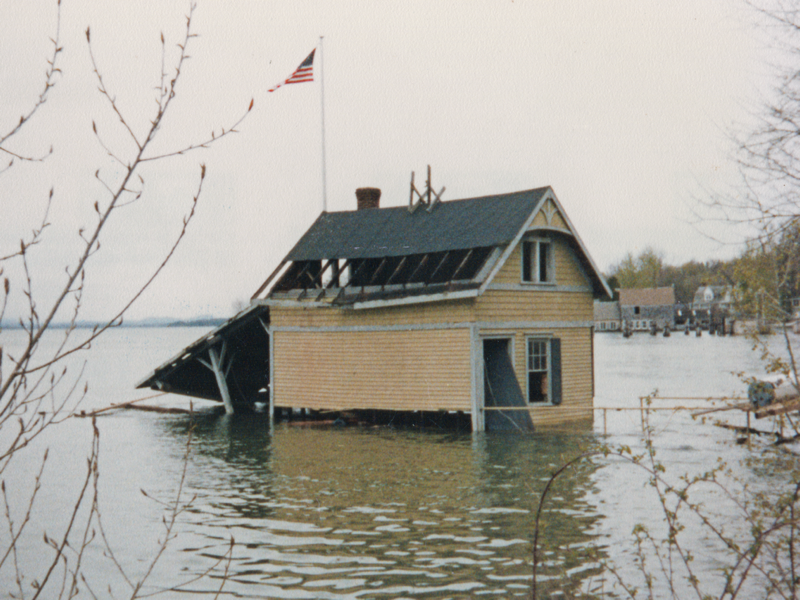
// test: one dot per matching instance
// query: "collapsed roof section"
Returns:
(379, 256)
(238, 350)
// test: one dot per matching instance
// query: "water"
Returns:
(367, 512)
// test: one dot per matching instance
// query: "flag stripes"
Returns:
(305, 72)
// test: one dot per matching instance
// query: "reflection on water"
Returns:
(373, 513)
(356, 512)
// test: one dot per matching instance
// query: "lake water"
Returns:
(369, 512)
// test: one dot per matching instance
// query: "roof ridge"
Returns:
(541, 189)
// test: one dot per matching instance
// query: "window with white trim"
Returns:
(538, 370)
(543, 370)
(537, 261)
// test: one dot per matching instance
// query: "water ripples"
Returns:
(359, 513)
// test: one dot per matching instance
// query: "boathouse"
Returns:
(607, 316)
(712, 308)
(458, 306)
(647, 308)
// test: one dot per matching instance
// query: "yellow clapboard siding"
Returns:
(511, 271)
(567, 268)
(426, 313)
(576, 371)
(414, 368)
(543, 416)
(511, 305)
(394, 370)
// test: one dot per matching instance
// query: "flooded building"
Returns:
(712, 307)
(647, 308)
(458, 306)
(607, 316)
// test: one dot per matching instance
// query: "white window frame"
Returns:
(548, 401)
(535, 265)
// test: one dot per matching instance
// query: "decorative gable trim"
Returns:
(550, 208)
(515, 242)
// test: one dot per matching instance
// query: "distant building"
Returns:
(683, 315)
(712, 306)
(607, 316)
(643, 309)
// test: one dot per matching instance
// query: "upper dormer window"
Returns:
(537, 262)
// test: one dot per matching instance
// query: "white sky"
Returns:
(620, 105)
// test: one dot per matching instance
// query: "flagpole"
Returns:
(322, 106)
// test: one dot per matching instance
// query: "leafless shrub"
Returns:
(37, 390)
(756, 550)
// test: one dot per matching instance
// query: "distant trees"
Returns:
(758, 554)
(768, 274)
(642, 271)
(649, 270)
(764, 206)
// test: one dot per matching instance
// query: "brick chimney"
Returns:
(368, 198)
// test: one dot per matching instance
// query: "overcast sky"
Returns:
(622, 106)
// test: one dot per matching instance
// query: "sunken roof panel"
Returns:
(453, 225)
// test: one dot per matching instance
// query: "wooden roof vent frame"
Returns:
(429, 198)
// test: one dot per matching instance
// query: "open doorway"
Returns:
(501, 388)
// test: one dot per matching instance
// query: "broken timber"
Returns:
(212, 367)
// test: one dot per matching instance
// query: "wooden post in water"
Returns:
(216, 366)
(748, 427)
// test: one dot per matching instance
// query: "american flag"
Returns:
(305, 72)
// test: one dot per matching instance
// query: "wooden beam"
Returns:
(229, 365)
(436, 199)
(378, 270)
(778, 409)
(221, 382)
(338, 275)
(339, 296)
(461, 266)
(395, 272)
(302, 272)
(264, 325)
(438, 267)
(321, 272)
(270, 278)
(428, 187)
(419, 266)
(357, 271)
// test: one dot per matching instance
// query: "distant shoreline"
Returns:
(204, 322)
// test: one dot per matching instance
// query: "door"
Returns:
(501, 389)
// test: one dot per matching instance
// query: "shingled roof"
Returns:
(453, 225)
(662, 296)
